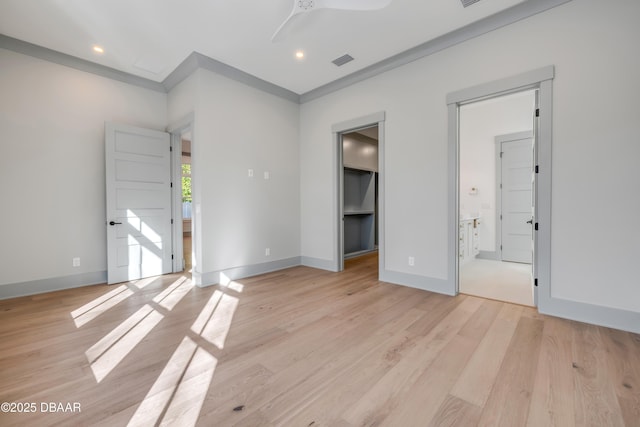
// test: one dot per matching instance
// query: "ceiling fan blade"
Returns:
(295, 13)
(305, 6)
(352, 4)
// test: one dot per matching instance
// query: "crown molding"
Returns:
(26, 48)
(501, 19)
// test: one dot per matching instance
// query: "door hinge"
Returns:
(500, 216)
(500, 247)
(501, 153)
(170, 149)
(500, 185)
(537, 169)
(171, 256)
(171, 185)
(537, 112)
(171, 220)
(536, 226)
(535, 282)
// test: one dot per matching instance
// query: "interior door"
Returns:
(517, 195)
(534, 203)
(138, 181)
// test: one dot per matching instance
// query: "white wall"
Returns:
(181, 101)
(52, 164)
(595, 147)
(238, 128)
(480, 123)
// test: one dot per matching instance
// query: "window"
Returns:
(186, 191)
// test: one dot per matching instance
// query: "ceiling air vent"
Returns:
(466, 3)
(343, 59)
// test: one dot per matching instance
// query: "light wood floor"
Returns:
(303, 347)
(186, 252)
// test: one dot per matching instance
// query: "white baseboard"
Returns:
(235, 273)
(430, 284)
(322, 264)
(594, 314)
(41, 286)
(492, 255)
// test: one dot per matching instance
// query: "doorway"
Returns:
(496, 203)
(187, 202)
(374, 123)
(184, 198)
(542, 80)
(359, 192)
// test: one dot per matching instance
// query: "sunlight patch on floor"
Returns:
(218, 326)
(179, 392)
(160, 393)
(228, 283)
(206, 312)
(173, 294)
(93, 309)
(143, 283)
(177, 395)
(105, 355)
(186, 404)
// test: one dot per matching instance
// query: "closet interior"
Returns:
(360, 191)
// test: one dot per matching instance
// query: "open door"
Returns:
(534, 202)
(516, 198)
(138, 186)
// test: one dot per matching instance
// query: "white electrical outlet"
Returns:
(250, 173)
(267, 252)
(76, 262)
(412, 261)
(267, 175)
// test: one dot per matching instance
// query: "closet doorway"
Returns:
(359, 151)
(496, 197)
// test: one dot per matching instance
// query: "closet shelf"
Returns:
(367, 212)
(359, 211)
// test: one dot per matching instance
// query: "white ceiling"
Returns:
(150, 38)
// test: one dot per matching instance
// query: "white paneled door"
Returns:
(517, 200)
(138, 178)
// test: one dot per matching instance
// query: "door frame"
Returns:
(541, 79)
(499, 140)
(338, 130)
(176, 131)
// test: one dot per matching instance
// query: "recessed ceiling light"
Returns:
(300, 54)
(98, 49)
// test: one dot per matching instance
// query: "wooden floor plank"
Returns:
(552, 399)
(456, 412)
(624, 368)
(595, 400)
(420, 403)
(476, 381)
(378, 401)
(508, 403)
(324, 405)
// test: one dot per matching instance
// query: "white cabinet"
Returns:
(469, 239)
(359, 211)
